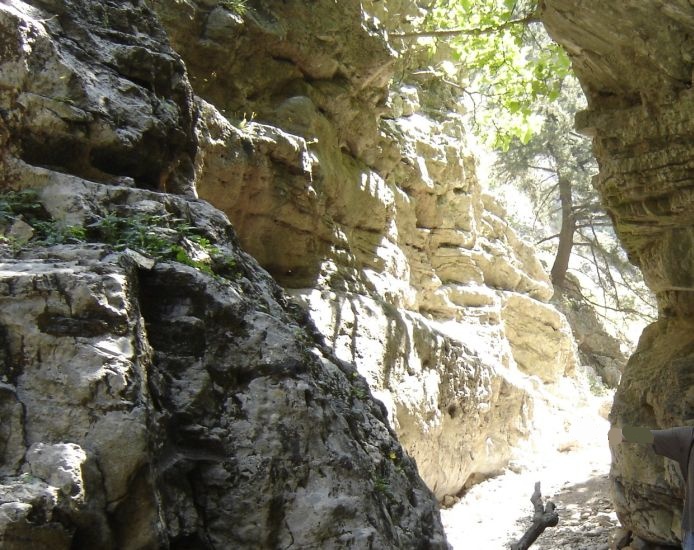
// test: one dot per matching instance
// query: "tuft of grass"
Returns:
(239, 7)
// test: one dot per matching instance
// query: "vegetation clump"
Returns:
(160, 236)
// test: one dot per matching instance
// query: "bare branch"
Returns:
(543, 169)
(555, 236)
(439, 33)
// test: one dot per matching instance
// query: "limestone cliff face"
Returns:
(635, 62)
(158, 388)
(357, 192)
(146, 403)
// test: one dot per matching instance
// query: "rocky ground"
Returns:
(496, 512)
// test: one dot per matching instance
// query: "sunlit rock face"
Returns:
(146, 403)
(359, 194)
(635, 64)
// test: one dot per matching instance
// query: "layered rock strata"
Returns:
(156, 389)
(634, 60)
(360, 196)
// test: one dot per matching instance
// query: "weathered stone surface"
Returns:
(368, 208)
(146, 404)
(199, 414)
(436, 383)
(242, 429)
(657, 389)
(596, 346)
(635, 64)
(93, 89)
(539, 338)
(254, 65)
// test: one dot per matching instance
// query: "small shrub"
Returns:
(159, 236)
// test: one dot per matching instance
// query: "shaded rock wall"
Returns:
(353, 184)
(634, 60)
(182, 400)
(147, 403)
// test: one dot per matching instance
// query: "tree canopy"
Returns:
(505, 59)
(522, 97)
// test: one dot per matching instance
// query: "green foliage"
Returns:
(556, 151)
(163, 237)
(237, 6)
(21, 203)
(506, 60)
(25, 205)
(160, 236)
(381, 484)
(50, 233)
(142, 232)
(359, 392)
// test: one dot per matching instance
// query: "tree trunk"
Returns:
(566, 234)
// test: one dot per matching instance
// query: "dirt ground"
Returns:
(496, 512)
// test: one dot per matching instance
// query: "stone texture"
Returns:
(379, 228)
(93, 89)
(169, 408)
(635, 64)
(538, 335)
(366, 207)
(149, 404)
(191, 410)
(596, 346)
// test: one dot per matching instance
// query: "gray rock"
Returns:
(633, 60)
(95, 90)
(165, 406)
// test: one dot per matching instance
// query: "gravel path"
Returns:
(496, 512)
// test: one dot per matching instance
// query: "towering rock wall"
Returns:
(157, 387)
(635, 61)
(166, 398)
(352, 183)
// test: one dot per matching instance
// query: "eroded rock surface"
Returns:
(93, 89)
(158, 388)
(147, 403)
(634, 61)
(361, 198)
(166, 407)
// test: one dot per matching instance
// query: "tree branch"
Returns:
(555, 236)
(542, 168)
(466, 32)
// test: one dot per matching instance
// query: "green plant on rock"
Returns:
(52, 233)
(237, 6)
(25, 203)
(359, 392)
(160, 236)
(381, 484)
(165, 237)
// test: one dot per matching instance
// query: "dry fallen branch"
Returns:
(545, 516)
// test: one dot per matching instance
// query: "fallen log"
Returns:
(545, 516)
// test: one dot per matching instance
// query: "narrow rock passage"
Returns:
(496, 512)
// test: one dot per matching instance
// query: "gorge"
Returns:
(254, 294)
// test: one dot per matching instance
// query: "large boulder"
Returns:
(150, 403)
